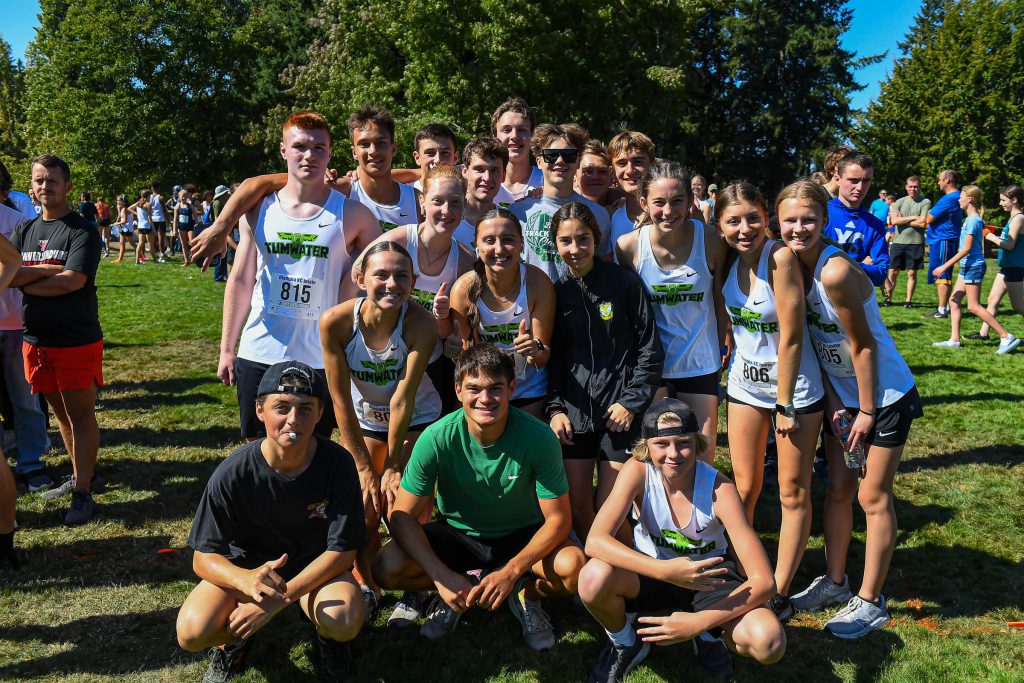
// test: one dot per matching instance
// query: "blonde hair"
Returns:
(973, 193)
(642, 453)
(805, 190)
(439, 172)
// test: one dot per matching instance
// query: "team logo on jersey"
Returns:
(538, 237)
(42, 244)
(298, 244)
(385, 226)
(382, 373)
(424, 298)
(672, 294)
(814, 320)
(604, 308)
(318, 510)
(674, 540)
(751, 320)
(501, 333)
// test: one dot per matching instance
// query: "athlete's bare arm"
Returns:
(787, 283)
(626, 249)
(212, 240)
(237, 298)
(361, 230)
(541, 294)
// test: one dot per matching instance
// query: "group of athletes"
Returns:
(524, 368)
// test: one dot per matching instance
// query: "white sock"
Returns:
(624, 638)
(943, 309)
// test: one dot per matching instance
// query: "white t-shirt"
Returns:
(10, 299)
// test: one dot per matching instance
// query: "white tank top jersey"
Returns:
(703, 535)
(300, 263)
(832, 345)
(156, 205)
(375, 376)
(754, 370)
(389, 217)
(621, 225)
(506, 197)
(143, 219)
(128, 217)
(683, 307)
(501, 327)
(427, 286)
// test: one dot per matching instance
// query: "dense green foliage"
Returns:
(12, 109)
(953, 99)
(196, 89)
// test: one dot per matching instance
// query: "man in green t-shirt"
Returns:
(906, 252)
(504, 504)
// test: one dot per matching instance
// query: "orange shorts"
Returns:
(50, 369)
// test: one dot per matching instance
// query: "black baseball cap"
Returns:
(650, 429)
(272, 382)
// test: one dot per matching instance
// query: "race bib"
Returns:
(376, 414)
(295, 297)
(757, 377)
(834, 357)
(182, 219)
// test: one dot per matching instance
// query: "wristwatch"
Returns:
(788, 409)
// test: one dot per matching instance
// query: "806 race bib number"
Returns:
(759, 377)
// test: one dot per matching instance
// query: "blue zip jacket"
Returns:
(860, 234)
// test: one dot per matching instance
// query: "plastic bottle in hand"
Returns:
(854, 459)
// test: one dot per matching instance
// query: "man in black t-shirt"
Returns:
(63, 347)
(280, 522)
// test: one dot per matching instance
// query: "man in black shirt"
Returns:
(63, 347)
(280, 522)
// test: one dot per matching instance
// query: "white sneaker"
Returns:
(949, 344)
(858, 618)
(822, 592)
(1008, 344)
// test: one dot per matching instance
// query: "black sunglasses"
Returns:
(569, 155)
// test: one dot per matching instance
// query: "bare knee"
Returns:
(594, 580)
(569, 562)
(389, 566)
(874, 501)
(193, 630)
(340, 622)
(760, 637)
(793, 496)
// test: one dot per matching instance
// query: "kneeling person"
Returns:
(280, 522)
(691, 517)
(504, 504)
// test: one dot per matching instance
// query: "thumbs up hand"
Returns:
(442, 303)
(525, 344)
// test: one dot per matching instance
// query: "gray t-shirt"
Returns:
(906, 234)
(538, 248)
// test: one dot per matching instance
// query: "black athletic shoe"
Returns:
(782, 607)
(335, 660)
(977, 336)
(908, 305)
(617, 661)
(886, 302)
(936, 314)
(226, 662)
(714, 657)
(37, 480)
(8, 560)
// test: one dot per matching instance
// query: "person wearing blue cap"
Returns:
(691, 534)
(280, 522)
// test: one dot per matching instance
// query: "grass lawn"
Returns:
(98, 603)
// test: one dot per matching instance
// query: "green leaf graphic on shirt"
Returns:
(538, 237)
(380, 373)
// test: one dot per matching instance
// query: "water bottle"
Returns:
(854, 459)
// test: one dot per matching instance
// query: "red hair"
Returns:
(306, 120)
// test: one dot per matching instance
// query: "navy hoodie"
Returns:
(860, 234)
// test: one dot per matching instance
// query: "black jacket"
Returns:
(605, 348)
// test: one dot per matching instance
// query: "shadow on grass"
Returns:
(918, 370)
(107, 644)
(202, 437)
(1003, 455)
(147, 401)
(946, 399)
(900, 327)
(170, 385)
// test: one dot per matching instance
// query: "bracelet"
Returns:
(540, 345)
(867, 412)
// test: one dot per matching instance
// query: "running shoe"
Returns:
(977, 336)
(408, 610)
(67, 485)
(858, 618)
(886, 303)
(822, 592)
(37, 480)
(782, 607)
(1008, 344)
(713, 656)
(936, 314)
(948, 344)
(226, 662)
(441, 619)
(371, 604)
(82, 508)
(160, 259)
(908, 305)
(537, 630)
(335, 660)
(618, 660)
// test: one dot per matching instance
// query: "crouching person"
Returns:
(502, 536)
(280, 522)
(681, 559)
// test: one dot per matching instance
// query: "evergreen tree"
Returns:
(12, 111)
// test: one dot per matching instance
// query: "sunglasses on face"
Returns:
(569, 156)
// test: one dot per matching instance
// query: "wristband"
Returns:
(540, 345)
(723, 351)
(867, 412)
